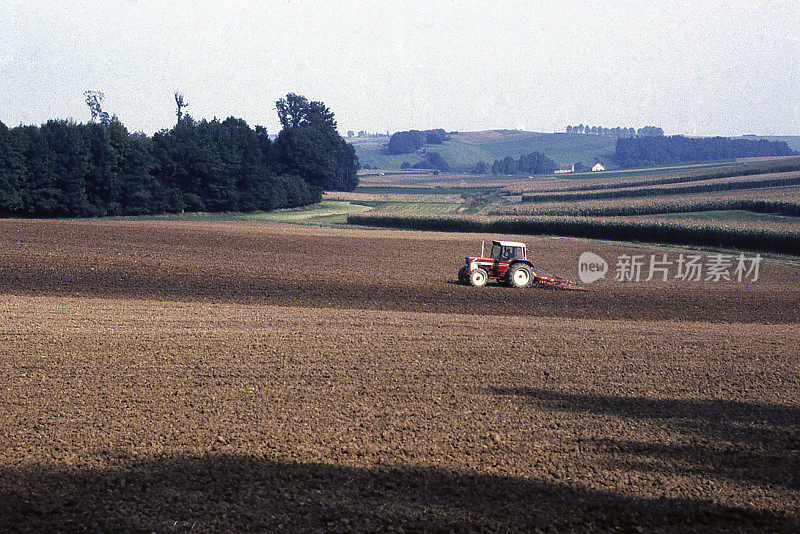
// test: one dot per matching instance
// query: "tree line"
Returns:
(616, 131)
(68, 169)
(533, 163)
(430, 160)
(646, 151)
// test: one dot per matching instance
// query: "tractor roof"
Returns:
(509, 243)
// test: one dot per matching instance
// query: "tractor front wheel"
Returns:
(478, 277)
(519, 275)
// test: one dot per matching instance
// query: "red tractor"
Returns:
(508, 263)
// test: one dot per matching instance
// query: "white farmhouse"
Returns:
(598, 167)
(565, 167)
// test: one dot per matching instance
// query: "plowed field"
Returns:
(171, 376)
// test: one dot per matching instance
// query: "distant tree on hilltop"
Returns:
(406, 142)
(412, 140)
(650, 131)
(616, 131)
(436, 137)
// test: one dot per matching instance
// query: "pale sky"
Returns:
(701, 67)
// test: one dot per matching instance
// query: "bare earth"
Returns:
(168, 376)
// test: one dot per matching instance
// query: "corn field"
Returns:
(768, 237)
(785, 201)
(719, 184)
(655, 178)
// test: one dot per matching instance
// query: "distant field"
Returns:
(558, 182)
(654, 177)
(423, 190)
(464, 150)
(735, 205)
(417, 207)
(392, 197)
(731, 183)
(732, 205)
(446, 180)
(777, 200)
(326, 210)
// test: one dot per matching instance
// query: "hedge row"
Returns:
(746, 238)
(610, 209)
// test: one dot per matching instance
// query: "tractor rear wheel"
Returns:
(463, 275)
(478, 277)
(519, 275)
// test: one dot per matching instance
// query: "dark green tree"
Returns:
(405, 142)
(103, 180)
(436, 137)
(310, 147)
(295, 110)
(433, 160)
(346, 175)
(64, 169)
(12, 174)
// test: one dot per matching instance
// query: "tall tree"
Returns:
(295, 110)
(346, 175)
(94, 100)
(310, 147)
(180, 103)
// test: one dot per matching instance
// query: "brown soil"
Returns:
(234, 376)
(349, 268)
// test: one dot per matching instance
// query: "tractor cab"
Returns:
(507, 251)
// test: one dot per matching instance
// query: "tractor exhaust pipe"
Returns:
(482, 248)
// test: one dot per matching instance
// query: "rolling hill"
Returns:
(465, 149)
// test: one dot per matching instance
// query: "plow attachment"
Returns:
(543, 279)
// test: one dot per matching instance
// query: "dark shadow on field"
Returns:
(739, 441)
(244, 493)
(642, 407)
